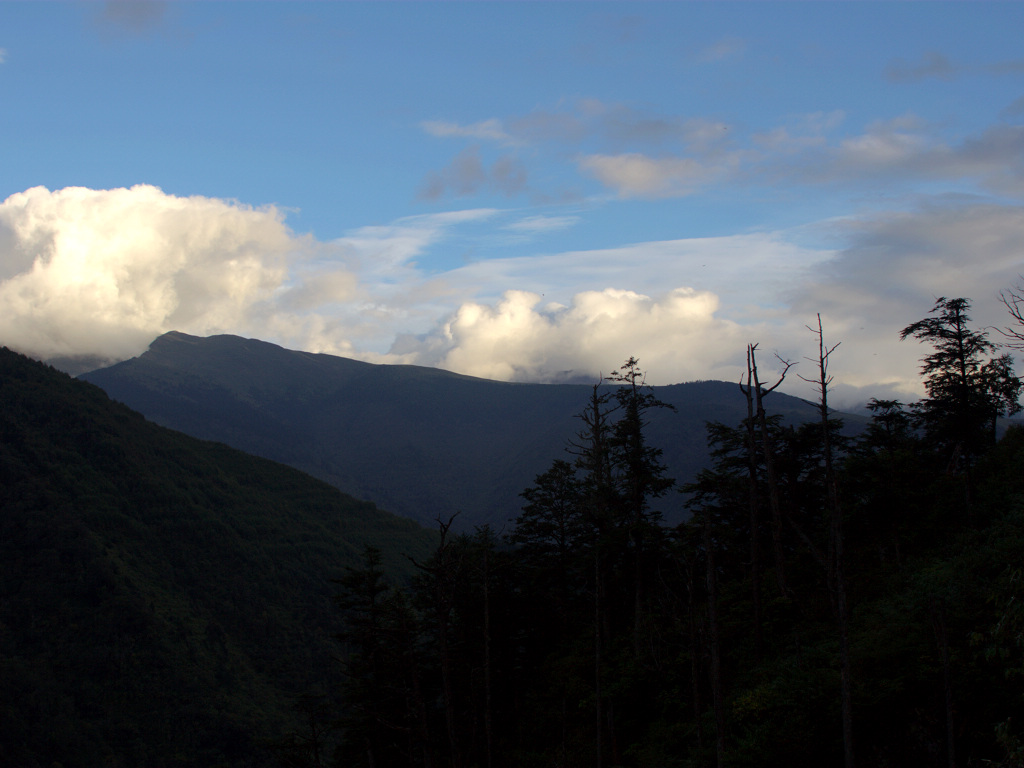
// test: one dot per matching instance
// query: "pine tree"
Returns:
(968, 385)
(640, 477)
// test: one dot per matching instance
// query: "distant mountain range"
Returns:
(419, 442)
(163, 600)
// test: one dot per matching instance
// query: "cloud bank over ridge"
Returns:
(103, 272)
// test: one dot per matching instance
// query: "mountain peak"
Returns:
(420, 442)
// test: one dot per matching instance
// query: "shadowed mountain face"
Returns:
(163, 600)
(419, 442)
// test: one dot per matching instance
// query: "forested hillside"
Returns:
(163, 601)
(830, 602)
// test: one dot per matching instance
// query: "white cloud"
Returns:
(3, 55)
(542, 223)
(882, 147)
(910, 257)
(609, 127)
(103, 272)
(753, 288)
(564, 322)
(354, 295)
(637, 175)
(485, 130)
(676, 336)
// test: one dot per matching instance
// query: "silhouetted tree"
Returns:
(640, 475)
(593, 459)
(755, 393)
(836, 562)
(968, 387)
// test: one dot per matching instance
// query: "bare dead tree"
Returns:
(834, 565)
(754, 508)
(1013, 300)
(759, 393)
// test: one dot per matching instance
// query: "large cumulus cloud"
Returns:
(102, 272)
(519, 339)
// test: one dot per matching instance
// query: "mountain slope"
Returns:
(420, 442)
(162, 600)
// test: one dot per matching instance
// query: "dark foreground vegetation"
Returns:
(829, 602)
(163, 601)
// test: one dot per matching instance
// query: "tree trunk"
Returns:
(939, 627)
(754, 505)
(598, 714)
(696, 652)
(487, 659)
(769, 468)
(836, 568)
(716, 662)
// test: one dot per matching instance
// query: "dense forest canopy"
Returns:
(830, 600)
(163, 601)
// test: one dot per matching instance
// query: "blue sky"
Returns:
(523, 191)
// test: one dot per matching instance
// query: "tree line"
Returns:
(829, 599)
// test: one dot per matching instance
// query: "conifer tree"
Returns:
(968, 385)
(640, 475)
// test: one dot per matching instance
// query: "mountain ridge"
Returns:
(420, 442)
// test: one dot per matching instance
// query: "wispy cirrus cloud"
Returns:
(1014, 109)
(486, 130)
(637, 175)
(542, 223)
(932, 64)
(635, 154)
(905, 151)
(1008, 67)
(468, 174)
(131, 17)
(586, 120)
(725, 48)
(693, 149)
